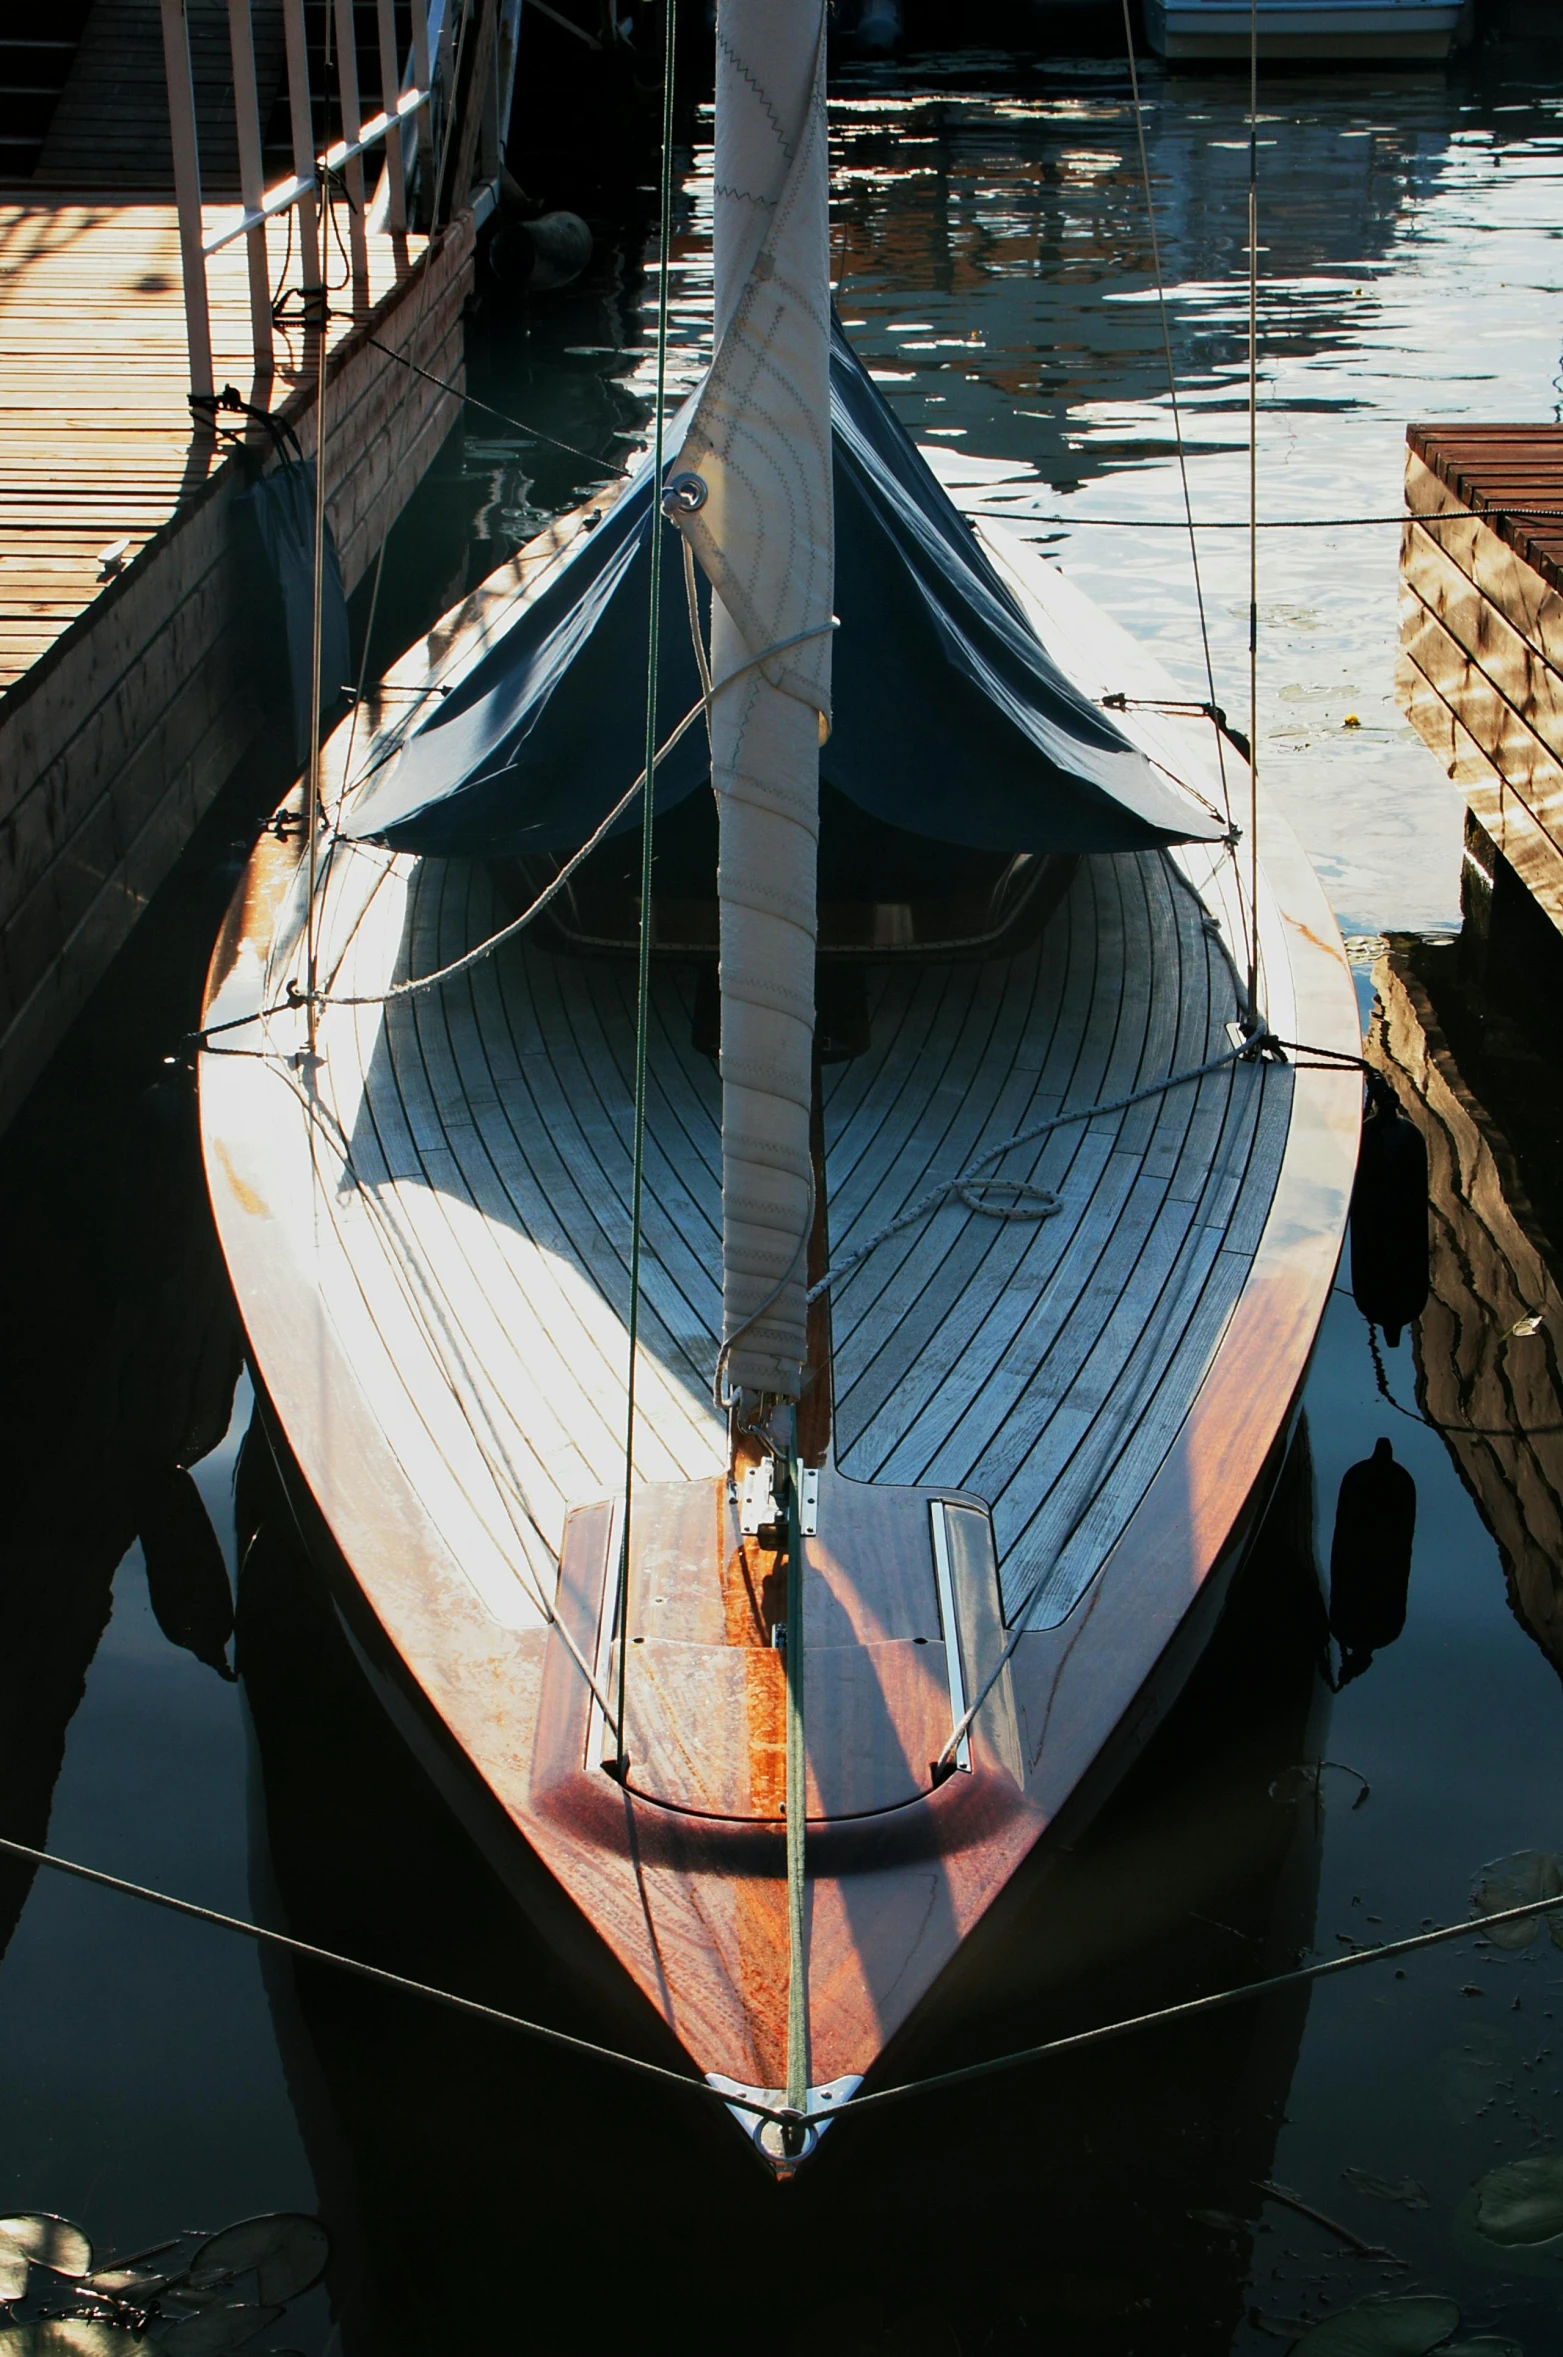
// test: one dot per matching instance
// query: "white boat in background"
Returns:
(1345, 32)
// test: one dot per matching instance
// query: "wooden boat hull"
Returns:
(421, 1233)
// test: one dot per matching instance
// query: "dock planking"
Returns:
(94, 418)
(1482, 641)
(129, 688)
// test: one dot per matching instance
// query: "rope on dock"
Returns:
(1191, 2008)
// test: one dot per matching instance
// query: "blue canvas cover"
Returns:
(949, 717)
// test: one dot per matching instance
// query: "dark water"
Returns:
(994, 263)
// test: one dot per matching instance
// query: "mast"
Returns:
(751, 491)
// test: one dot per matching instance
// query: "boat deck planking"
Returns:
(429, 1234)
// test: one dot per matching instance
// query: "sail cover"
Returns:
(947, 715)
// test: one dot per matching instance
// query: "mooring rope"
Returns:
(1191, 2008)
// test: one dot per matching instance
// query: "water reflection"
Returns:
(992, 257)
(1488, 1344)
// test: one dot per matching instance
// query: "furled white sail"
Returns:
(760, 445)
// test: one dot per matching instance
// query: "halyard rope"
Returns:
(1074, 2042)
(648, 813)
(1253, 513)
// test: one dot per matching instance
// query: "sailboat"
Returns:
(747, 1108)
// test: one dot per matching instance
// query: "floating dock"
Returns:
(1482, 654)
(187, 174)
(129, 686)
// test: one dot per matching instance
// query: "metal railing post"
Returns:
(187, 193)
(425, 117)
(390, 93)
(440, 207)
(352, 126)
(302, 127)
(492, 132)
(505, 71)
(246, 110)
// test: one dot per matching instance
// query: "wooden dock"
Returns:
(129, 685)
(1481, 651)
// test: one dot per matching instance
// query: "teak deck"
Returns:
(1482, 635)
(427, 1231)
(128, 697)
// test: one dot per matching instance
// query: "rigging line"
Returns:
(606, 466)
(1253, 509)
(324, 1121)
(1172, 388)
(1325, 1968)
(313, 811)
(647, 836)
(293, 998)
(310, 1954)
(692, 601)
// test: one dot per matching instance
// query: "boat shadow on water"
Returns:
(467, 2173)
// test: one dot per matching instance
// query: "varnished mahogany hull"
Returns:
(987, 1823)
(691, 1900)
